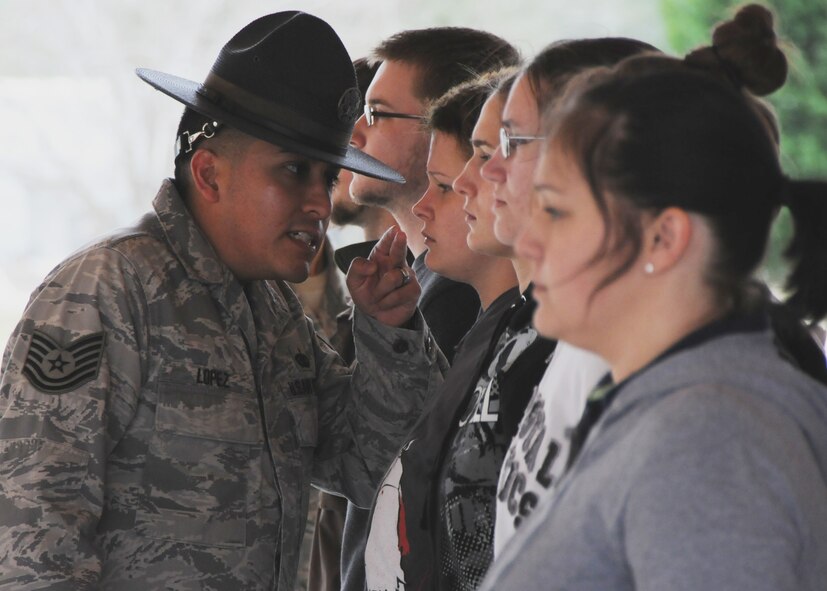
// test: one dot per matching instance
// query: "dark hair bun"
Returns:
(747, 44)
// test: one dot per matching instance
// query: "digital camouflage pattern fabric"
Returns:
(183, 460)
(324, 314)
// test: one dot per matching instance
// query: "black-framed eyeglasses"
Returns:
(508, 142)
(371, 115)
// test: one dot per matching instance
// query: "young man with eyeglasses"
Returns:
(417, 67)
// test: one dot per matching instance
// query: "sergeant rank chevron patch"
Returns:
(54, 369)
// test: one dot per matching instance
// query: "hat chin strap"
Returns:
(184, 143)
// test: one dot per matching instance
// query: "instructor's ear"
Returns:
(204, 168)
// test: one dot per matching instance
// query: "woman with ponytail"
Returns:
(701, 461)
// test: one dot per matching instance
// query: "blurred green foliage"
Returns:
(801, 104)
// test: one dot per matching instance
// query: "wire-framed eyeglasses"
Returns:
(371, 115)
(508, 142)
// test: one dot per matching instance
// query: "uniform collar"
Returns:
(190, 245)
(202, 264)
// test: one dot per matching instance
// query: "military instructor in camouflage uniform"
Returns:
(164, 401)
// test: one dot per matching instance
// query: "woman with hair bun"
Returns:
(701, 462)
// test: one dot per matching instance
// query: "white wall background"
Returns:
(84, 143)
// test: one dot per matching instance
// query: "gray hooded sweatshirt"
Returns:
(707, 471)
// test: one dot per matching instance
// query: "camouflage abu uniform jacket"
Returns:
(159, 422)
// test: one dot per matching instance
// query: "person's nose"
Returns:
(464, 184)
(494, 169)
(318, 199)
(359, 137)
(423, 209)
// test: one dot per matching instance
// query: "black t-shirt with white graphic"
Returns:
(467, 483)
(400, 548)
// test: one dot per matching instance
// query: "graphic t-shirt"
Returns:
(467, 484)
(399, 553)
(538, 452)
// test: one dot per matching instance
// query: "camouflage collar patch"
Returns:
(54, 369)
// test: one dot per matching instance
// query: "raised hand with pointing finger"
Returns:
(383, 285)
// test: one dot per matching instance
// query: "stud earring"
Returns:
(648, 268)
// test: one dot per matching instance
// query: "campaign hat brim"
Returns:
(186, 92)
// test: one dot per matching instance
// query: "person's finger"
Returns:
(398, 250)
(392, 280)
(361, 266)
(360, 271)
(383, 245)
(381, 252)
(402, 297)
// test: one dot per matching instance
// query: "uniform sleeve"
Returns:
(722, 500)
(362, 428)
(69, 386)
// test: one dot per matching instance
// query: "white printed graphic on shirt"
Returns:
(539, 451)
(383, 556)
(485, 405)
